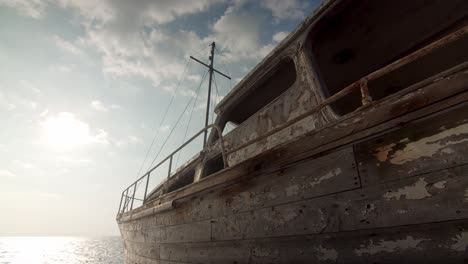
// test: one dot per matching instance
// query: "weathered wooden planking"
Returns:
(208, 252)
(430, 145)
(447, 242)
(332, 173)
(132, 258)
(146, 249)
(438, 196)
(154, 235)
(192, 232)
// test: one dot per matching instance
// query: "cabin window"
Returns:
(229, 127)
(213, 165)
(359, 37)
(184, 179)
(274, 83)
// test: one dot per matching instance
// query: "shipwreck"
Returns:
(350, 145)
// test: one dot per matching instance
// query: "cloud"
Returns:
(130, 38)
(22, 164)
(66, 45)
(133, 40)
(70, 160)
(6, 174)
(12, 101)
(44, 113)
(66, 130)
(129, 13)
(279, 36)
(128, 141)
(30, 8)
(285, 9)
(101, 107)
(63, 68)
(98, 106)
(238, 31)
(102, 137)
(164, 128)
(30, 86)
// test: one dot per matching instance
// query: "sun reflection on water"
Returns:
(55, 250)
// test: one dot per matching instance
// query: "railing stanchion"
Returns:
(365, 96)
(120, 205)
(125, 201)
(169, 173)
(146, 188)
(133, 196)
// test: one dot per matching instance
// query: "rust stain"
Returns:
(381, 153)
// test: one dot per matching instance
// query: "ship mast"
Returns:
(211, 70)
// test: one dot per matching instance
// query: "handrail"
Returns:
(362, 84)
(130, 199)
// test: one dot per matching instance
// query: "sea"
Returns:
(61, 250)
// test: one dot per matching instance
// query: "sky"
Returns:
(84, 85)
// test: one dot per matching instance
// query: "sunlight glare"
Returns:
(65, 130)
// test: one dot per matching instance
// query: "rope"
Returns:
(177, 122)
(164, 118)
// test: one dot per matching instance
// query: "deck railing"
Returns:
(128, 198)
(361, 84)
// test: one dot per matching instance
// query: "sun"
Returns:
(65, 130)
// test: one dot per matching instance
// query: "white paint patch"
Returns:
(440, 185)
(327, 253)
(427, 147)
(292, 190)
(401, 211)
(461, 242)
(388, 246)
(262, 252)
(413, 192)
(326, 176)
(447, 151)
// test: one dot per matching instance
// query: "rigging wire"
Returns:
(164, 117)
(216, 88)
(177, 122)
(198, 52)
(188, 124)
(216, 97)
(225, 67)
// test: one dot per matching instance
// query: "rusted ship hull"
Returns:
(372, 170)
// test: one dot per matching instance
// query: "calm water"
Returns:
(61, 250)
